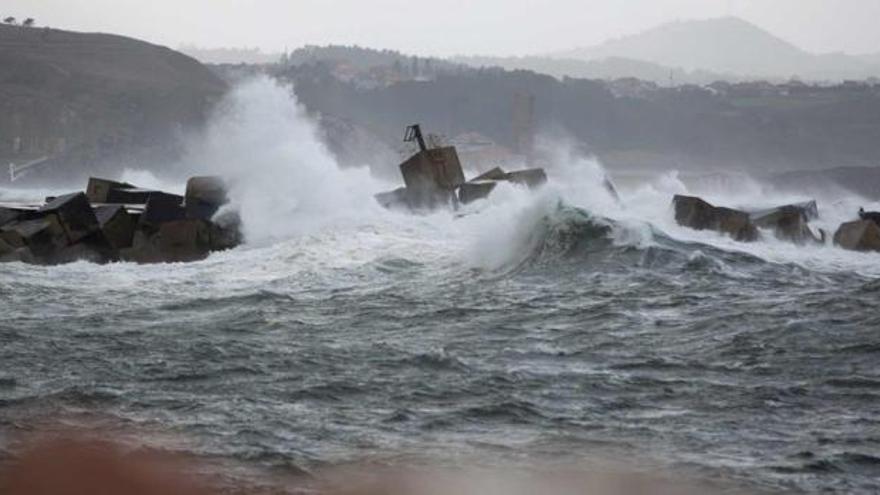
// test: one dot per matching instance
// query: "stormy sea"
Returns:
(561, 326)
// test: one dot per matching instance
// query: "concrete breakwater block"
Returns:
(144, 226)
(75, 214)
(437, 168)
(861, 235)
(204, 197)
(475, 190)
(697, 214)
(98, 190)
(117, 224)
(434, 178)
(42, 237)
(173, 241)
(533, 177)
(790, 222)
(163, 207)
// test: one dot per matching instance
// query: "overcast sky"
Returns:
(447, 27)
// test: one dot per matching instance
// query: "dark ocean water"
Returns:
(369, 343)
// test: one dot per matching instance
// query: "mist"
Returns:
(488, 28)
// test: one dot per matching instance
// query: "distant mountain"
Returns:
(726, 45)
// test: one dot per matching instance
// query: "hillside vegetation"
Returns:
(95, 100)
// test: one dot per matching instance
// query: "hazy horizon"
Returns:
(455, 27)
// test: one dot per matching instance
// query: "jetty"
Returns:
(116, 221)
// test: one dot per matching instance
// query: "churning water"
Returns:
(550, 326)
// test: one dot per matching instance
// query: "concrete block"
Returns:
(131, 196)
(789, 222)
(698, 214)
(532, 178)
(98, 190)
(204, 197)
(174, 241)
(9, 214)
(416, 201)
(495, 174)
(94, 248)
(225, 231)
(473, 191)
(75, 214)
(163, 207)
(5, 248)
(43, 236)
(396, 199)
(861, 235)
(117, 225)
(433, 169)
(22, 255)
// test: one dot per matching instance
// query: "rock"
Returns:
(698, 214)
(98, 190)
(432, 170)
(163, 207)
(790, 222)
(174, 241)
(533, 177)
(117, 225)
(475, 190)
(75, 215)
(204, 197)
(861, 235)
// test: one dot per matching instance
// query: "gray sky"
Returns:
(447, 27)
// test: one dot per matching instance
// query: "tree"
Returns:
(29, 22)
(9, 20)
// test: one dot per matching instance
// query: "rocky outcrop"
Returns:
(115, 221)
(861, 235)
(698, 214)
